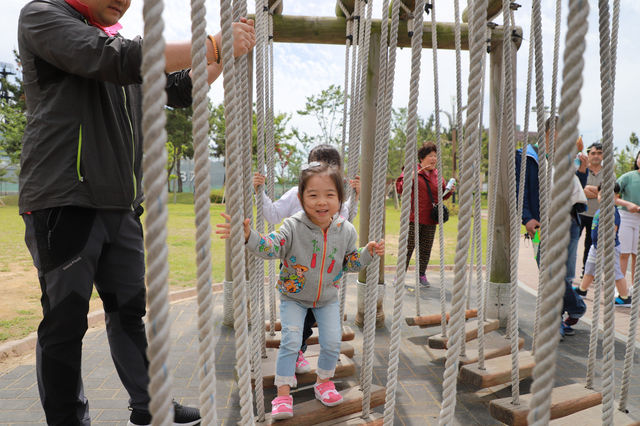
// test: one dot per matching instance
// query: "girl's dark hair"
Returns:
(319, 168)
(326, 153)
(635, 163)
(426, 149)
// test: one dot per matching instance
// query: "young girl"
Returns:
(316, 247)
(288, 205)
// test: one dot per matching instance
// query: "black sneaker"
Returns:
(626, 303)
(581, 293)
(182, 416)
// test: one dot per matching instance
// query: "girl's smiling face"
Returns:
(320, 199)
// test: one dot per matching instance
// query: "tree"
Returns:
(326, 107)
(626, 157)
(179, 134)
(13, 119)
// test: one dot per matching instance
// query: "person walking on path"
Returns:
(428, 180)
(590, 178)
(80, 189)
(629, 202)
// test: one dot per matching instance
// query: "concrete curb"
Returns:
(15, 348)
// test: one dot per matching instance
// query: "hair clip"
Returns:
(310, 165)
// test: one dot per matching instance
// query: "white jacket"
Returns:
(288, 205)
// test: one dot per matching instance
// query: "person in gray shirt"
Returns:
(590, 180)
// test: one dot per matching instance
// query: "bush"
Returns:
(216, 195)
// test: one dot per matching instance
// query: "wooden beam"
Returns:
(278, 325)
(348, 4)
(495, 345)
(313, 412)
(325, 30)
(471, 332)
(436, 319)
(497, 370)
(565, 400)
(494, 8)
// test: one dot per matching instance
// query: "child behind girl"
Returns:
(309, 279)
(288, 205)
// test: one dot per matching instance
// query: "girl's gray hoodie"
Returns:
(313, 260)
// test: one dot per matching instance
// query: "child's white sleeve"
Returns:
(276, 212)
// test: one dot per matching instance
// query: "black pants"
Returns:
(74, 248)
(307, 331)
(585, 223)
(427, 233)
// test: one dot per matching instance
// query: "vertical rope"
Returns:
(607, 212)
(542, 163)
(235, 207)
(633, 328)
(477, 19)
(155, 188)
(261, 33)
(545, 356)
(409, 166)
(554, 78)
(436, 105)
(383, 115)
(270, 158)
(595, 320)
(416, 245)
(206, 359)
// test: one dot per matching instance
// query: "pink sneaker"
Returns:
(282, 407)
(327, 394)
(302, 365)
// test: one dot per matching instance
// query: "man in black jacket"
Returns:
(80, 189)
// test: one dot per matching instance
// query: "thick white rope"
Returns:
(436, 105)
(376, 223)
(514, 228)
(155, 188)
(261, 33)
(633, 328)
(206, 359)
(235, 208)
(595, 321)
(416, 249)
(552, 295)
(542, 164)
(270, 158)
(476, 46)
(607, 58)
(554, 79)
(410, 168)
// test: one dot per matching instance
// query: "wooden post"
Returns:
(366, 173)
(493, 9)
(499, 281)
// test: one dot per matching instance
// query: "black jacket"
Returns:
(82, 144)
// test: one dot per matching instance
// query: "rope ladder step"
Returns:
(497, 370)
(593, 416)
(495, 345)
(435, 319)
(277, 325)
(565, 400)
(274, 341)
(314, 412)
(471, 332)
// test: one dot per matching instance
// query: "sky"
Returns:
(303, 70)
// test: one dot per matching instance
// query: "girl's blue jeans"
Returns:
(292, 316)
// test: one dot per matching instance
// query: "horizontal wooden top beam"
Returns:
(493, 9)
(328, 30)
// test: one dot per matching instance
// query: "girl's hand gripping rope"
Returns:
(377, 248)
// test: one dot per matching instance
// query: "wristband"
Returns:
(216, 52)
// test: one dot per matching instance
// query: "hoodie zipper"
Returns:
(324, 252)
(133, 148)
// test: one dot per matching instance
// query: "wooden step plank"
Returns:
(593, 416)
(278, 325)
(495, 345)
(471, 332)
(375, 419)
(313, 412)
(497, 370)
(345, 368)
(274, 341)
(565, 400)
(435, 319)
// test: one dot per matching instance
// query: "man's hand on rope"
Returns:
(258, 181)
(531, 226)
(244, 36)
(377, 248)
(224, 229)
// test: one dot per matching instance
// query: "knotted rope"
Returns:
(477, 21)
(545, 356)
(409, 166)
(155, 188)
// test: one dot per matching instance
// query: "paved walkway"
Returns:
(419, 392)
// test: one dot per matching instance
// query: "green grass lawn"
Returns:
(15, 261)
